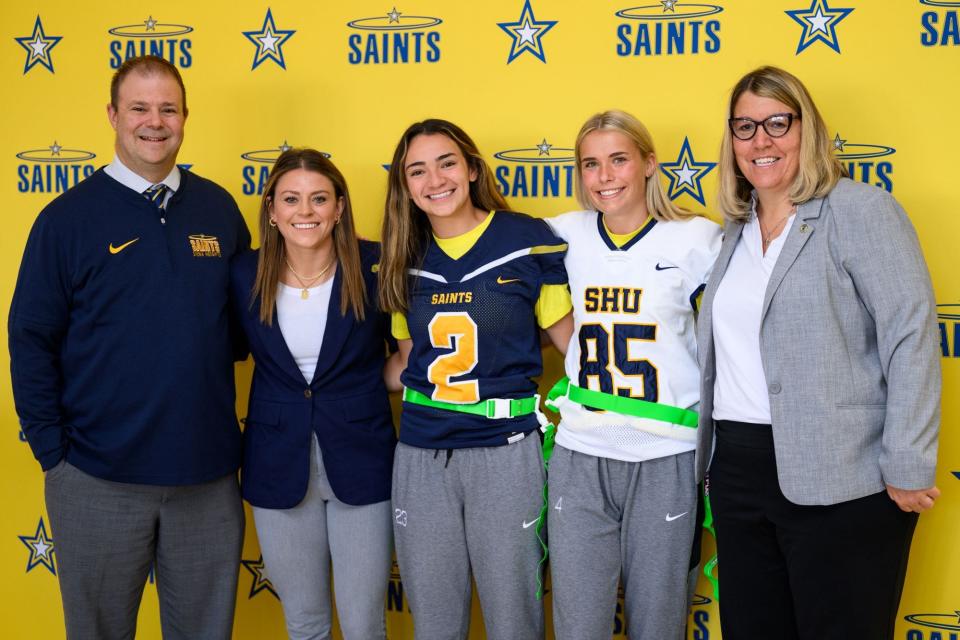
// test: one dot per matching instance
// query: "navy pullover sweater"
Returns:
(119, 333)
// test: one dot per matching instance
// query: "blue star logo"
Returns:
(686, 173)
(527, 33)
(41, 549)
(260, 580)
(38, 45)
(269, 41)
(819, 22)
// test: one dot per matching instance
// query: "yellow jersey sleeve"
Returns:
(554, 303)
(398, 326)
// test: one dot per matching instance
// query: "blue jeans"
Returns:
(298, 545)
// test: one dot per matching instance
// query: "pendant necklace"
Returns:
(306, 281)
(769, 236)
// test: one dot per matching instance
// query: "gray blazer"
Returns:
(850, 351)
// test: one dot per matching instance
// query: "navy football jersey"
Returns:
(474, 330)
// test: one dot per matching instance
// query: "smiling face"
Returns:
(148, 119)
(615, 174)
(769, 164)
(305, 208)
(438, 179)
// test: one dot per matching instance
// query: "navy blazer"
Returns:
(345, 405)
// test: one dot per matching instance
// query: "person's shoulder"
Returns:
(75, 203)
(200, 185)
(524, 228)
(857, 202)
(572, 218)
(697, 226)
(852, 192)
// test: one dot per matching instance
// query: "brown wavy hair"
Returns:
(272, 250)
(406, 228)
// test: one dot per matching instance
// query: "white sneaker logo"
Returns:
(527, 525)
(671, 518)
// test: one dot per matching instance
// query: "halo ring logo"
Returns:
(144, 31)
(932, 619)
(860, 151)
(535, 155)
(941, 3)
(688, 11)
(63, 155)
(402, 23)
(269, 156)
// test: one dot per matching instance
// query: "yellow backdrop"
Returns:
(520, 77)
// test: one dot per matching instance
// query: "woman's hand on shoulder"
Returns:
(913, 500)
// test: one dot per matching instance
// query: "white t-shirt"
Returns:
(303, 323)
(740, 388)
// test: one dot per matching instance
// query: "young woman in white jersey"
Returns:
(623, 498)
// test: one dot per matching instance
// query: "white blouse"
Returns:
(740, 388)
(303, 323)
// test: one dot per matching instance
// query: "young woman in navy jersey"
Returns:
(469, 285)
(319, 438)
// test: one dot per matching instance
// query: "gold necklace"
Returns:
(306, 281)
(768, 237)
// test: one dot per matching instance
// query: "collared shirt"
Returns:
(740, 390)
(125, 176)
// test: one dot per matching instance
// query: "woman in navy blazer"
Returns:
(319, 438)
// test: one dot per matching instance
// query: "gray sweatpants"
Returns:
(608, 519)
(462, 509)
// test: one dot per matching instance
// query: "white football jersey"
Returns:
(633, 309)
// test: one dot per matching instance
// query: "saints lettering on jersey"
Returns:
(474, 331)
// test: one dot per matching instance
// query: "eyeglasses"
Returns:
(776, 126)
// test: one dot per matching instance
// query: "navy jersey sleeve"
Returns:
(39, 315)
(550, 255)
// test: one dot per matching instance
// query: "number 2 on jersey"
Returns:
(457, 331)
(600, 366)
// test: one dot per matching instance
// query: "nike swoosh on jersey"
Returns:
(659, 268)
(115, 250)
(670, 518)
(527, 525)
(500, 280)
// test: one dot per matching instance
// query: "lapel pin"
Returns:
(804, 227)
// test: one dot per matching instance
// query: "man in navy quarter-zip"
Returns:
(122, 370)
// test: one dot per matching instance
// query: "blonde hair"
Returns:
(819, 168)
(353, 293)
(406, 228)
(658, 204)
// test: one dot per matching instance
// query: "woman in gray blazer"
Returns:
(821, 380)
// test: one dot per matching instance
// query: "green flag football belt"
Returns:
(494, 408)
(634, 407)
